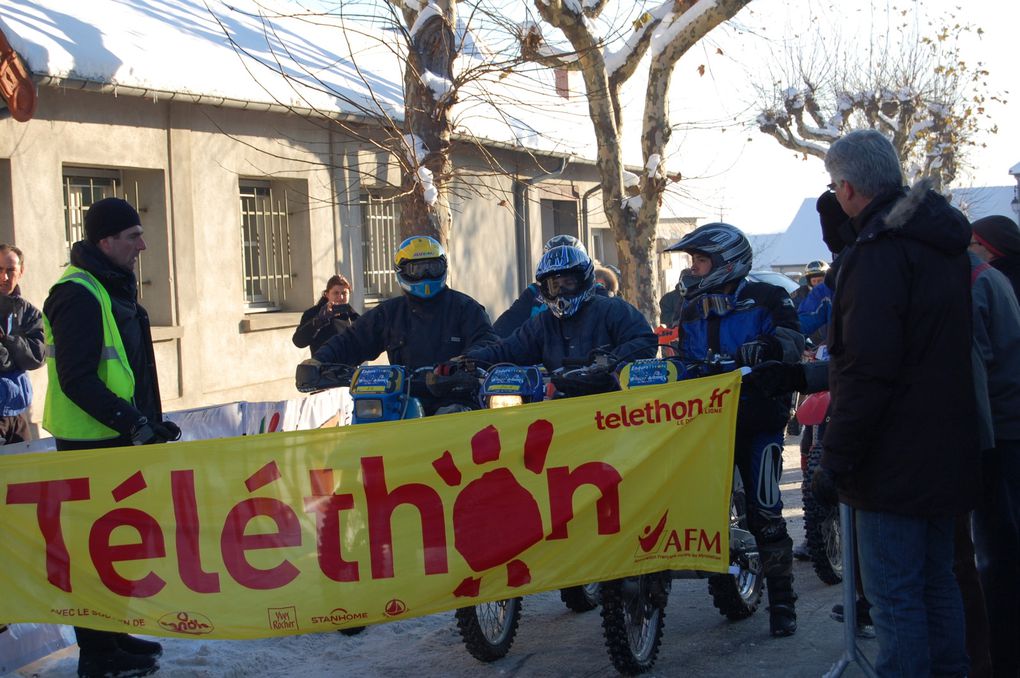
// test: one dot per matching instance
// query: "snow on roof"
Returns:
(212, 51)
(800, 243)
(1015, 169)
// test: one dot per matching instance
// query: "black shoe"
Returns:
(800, 551)
(782, 620)
(865, 627)
(132, 645)
(115, 664)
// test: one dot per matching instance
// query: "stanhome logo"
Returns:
(658, 412)
(338, 616)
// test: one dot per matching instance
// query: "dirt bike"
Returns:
(821, 523)
(392, 393)
(634, 608)
(488, 629)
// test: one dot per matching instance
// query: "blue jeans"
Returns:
(907, 569)
(997, 547)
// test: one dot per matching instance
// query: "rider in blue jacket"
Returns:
(724, 313)
(579, 319)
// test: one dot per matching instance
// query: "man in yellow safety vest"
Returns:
(103, 390)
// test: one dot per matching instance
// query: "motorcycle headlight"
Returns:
(504, 401)
(368, 408)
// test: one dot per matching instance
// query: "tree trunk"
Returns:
(426, 117)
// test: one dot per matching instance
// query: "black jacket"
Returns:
(313, 331)
(413, 332)
(1009, 266)
(76, 321)
(529, 303)
(22, 348)
(902, 437)
(601, 322)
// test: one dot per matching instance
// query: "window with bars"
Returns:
(265, 245)
(380, 216)
(82, 187)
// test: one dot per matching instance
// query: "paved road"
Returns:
(698, 641)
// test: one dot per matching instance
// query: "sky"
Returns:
(738, 174)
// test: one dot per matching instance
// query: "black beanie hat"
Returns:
(998, 234)
(832, 217)
(107, 217)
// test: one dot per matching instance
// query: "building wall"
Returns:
(180, 164)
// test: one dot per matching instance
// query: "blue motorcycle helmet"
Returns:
(420, 263)
(566, 279)
(564, 241)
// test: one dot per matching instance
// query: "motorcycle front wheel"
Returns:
(488, 629)
(737, 596)
(633, 616)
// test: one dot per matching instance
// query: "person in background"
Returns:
(332, 315)
(894, 450)
(996, 519)
(996, 239)
(813, 309)
(22, 347)
(607, 279)
(103, 390)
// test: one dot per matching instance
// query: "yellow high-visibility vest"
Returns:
(61, 416)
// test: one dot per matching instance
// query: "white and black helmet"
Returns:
(729, 250)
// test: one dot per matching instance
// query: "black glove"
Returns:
(823, 487)
(774, 378)
(763, 348)
(831, 216)
(146, 433)
(451, 366)
(323, 317)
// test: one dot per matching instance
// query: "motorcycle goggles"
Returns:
(562, 285)
(707, 305)
(423, 269)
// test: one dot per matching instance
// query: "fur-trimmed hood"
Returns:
(919, 213)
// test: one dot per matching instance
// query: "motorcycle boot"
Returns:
(115, 663)
(132, 645)
(777, 566)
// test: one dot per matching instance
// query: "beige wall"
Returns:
(180, 164)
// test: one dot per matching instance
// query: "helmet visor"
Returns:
(423, 269)
(559, 285)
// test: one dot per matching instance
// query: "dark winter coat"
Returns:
(530, 303)
(313, 331)
(996, 353)
(22, 348)
(1009, 266)
(902, 436)
(601, 322)
(413, 332)
(76, 321)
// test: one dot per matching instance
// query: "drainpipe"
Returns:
(522, 220)
(585, 228)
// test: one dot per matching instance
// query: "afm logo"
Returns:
(659, 541)
(283, 618)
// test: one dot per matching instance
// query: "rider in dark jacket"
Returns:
(579, 319)
(724, 313)
(530, 302)
(428, 325)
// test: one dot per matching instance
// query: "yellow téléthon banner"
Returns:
(311, 531)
